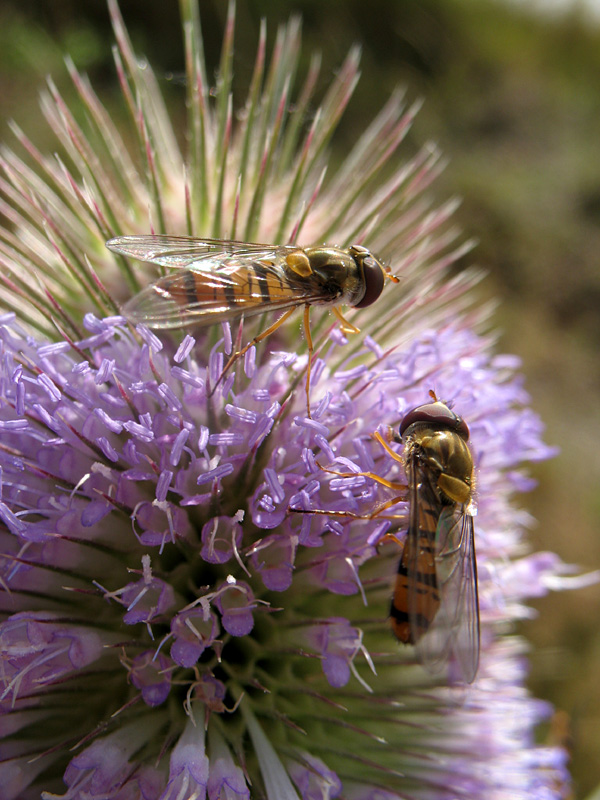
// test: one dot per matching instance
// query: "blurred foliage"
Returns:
(514, 101)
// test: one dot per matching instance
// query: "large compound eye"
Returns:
(374, 279)
(438, 415)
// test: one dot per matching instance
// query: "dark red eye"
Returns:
(374, 279)
(436, 414)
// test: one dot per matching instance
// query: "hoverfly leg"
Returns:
(379, 438)
(400, 488)
(239, 353)
(391, 537)
(378, 513)
(323, 512)
(352, 515)
(268, 331)
(347, 327)
(309, 343)
(393, 485)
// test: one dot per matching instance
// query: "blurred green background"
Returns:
(513, 100)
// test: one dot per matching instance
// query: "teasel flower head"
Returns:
(171, 626)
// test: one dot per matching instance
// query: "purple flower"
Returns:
(177, 605)
(176, 623)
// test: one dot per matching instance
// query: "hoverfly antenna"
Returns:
(390, 275)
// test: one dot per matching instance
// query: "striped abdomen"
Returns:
(416, 596)
(246, 286)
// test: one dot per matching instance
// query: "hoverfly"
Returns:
(215, 280)
(435, 604)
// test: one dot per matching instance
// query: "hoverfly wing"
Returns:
(454, 631)
(180, 252)
(173, 301)
(460, 601)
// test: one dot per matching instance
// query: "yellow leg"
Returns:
(311, 349)
(352, 515)
(393, 485)
(387, 448)
(346, 326)
(239, 353)
(396, 487)
(392, 537)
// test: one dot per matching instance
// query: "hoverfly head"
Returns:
(373, 272)
(436, 415)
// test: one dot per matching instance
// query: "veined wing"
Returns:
(212, 281)
(455, 628)
(180, 252)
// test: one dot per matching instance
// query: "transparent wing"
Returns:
(180, 252)
(212, 280)
(454, 630)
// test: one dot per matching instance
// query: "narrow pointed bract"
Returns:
(177, 621)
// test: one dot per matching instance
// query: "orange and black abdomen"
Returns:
(251, 284)
(416, 597)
